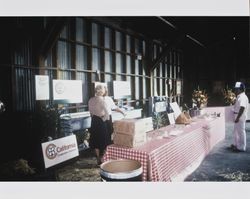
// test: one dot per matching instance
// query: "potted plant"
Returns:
(199, 98)
(46, 121)
(229, 96)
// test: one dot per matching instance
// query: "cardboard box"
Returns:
(129, 140)
(132, 132)
(132, 126)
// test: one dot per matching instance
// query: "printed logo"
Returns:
(42, 80)
(51, 151)
(60, 88)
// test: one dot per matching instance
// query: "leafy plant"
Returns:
(16, 170)
(46, 120)
(229, 96)
(160, 120)
(199, 97)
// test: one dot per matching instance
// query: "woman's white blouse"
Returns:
(110, 104)
(98, 107)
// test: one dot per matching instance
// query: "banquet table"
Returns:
(174, 151)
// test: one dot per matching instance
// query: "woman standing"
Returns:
(99, 135)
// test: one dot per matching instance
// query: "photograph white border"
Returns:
(124, 8)
(63, 190)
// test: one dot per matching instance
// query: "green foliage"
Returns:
(199, 97)
(46, 121)
(229, 96)
(160, 120)
(15, 170)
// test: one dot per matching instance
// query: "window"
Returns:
(81, 57)
(107, 41)
(119, 66)
(137, 46)
(95, 34)
(128, 67)
(64, 59)
(128, 44)
(108, 65)
(96, 59)
(81, 30)
(118, 41)
(144, 83)
(137, 80)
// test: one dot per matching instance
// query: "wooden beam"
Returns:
(166, 50)
(162, 56)
(51, 35)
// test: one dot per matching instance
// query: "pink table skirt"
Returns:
(166, 158)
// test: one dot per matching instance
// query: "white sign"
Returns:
(59, 150)
(160, 106)
(42, 87)
(178, 87)
(171, 118)
(176, 109)
(121, 89)
(69, 91)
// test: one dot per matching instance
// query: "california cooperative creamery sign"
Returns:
(59, 150)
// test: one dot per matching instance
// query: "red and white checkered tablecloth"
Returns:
(164, 159)
(114, 152)
(174, 156)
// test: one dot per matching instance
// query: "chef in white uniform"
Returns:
(240, 112)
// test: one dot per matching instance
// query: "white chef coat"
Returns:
(239, 127)
(242, 100)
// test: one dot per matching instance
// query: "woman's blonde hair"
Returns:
(99, 90)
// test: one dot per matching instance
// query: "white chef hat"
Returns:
(239, 85)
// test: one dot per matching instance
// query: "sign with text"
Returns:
(59, 150)
(178, 87)
(160, 106)
(67, 91)
(42, 87)
(171, 118)
(176, 109)
(121, 89)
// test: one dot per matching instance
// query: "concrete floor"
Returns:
(221, 164)
(83, 169)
